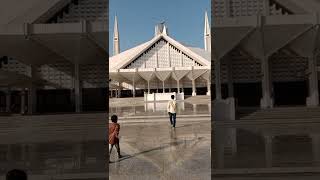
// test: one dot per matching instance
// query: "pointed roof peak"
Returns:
(164, 30)
(161, 28)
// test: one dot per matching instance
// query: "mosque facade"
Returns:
(160, 65)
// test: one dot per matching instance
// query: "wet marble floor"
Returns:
(160, 108)
(156, 151)
(52, 147)
(266, 149)
(60, 147)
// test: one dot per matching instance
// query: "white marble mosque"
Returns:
(161, 65)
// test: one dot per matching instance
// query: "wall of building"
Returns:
(234, 8)
(158, 55)
(21, 11)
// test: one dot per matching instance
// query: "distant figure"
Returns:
(16, 174)
(114, 129)
(171, 108)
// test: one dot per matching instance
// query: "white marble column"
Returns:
(119, 90)
(194, 93)
(163, 89)
(178, 86)
(133, 88)
(217, 69)
(208, 88)
(182, 87)
(266, 101)
(313, 99)
(148, 87)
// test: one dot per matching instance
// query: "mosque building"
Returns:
(160, 65)
(266, 52)
(53, 56)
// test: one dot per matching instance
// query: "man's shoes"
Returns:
(120, 156)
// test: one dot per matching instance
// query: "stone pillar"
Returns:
(217, 69)
(23, 101)
(208, 88)
(268, 150)
(266, 9)
(148, 87)
(230, 78)
(32, 99)
(133, 88)
(77, 87)
(266, 101)
(182, 87)
(119, 90)
(163, 89)
(178, 86)
(194, 108)
(8, 100)
(313, 99)
(194, 93)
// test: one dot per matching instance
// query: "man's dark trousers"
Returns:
(172, 119)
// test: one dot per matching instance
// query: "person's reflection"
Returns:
(173, 137)
(16, 174)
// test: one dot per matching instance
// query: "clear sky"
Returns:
(137, 19)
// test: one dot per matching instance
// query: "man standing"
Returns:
(114, 129)
(171, 108)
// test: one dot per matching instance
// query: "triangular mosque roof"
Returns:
(121, 60)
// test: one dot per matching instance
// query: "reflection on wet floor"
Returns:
(53, 158)
(155, 151)
(266, 145)
(160, 108)
(54, 146)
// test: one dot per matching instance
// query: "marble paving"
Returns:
(156, 151)
(270, 149)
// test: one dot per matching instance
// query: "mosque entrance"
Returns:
(247, 94)
(50, 101)
(290, 93)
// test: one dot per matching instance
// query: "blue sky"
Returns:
(137, 19)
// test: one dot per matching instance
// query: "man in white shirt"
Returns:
(171, 108)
